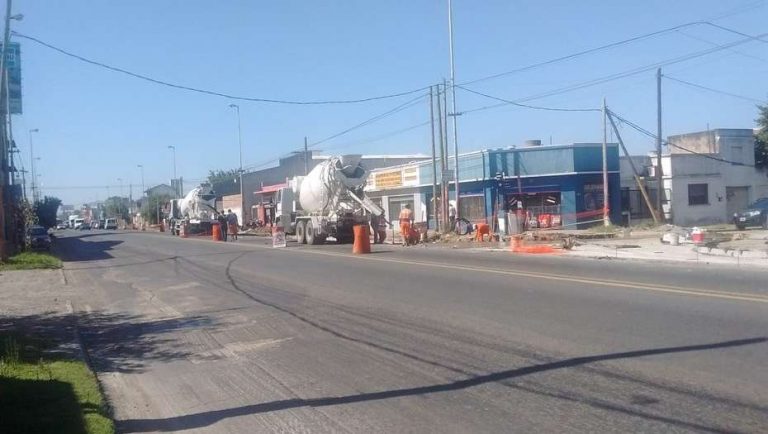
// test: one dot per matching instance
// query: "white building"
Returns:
(709, 175)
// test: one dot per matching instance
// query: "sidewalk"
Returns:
(653, 250)
(34, 292)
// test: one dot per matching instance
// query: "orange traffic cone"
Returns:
(362, 243)
(515, 243)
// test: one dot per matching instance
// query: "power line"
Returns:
(506, 101)
(620, 75)
(674, 145)
(211, 92)
(707, 41)
(605, 47)
(369, 121)
(642, 69)
(688, 83)
(381, 137)
(378, 117)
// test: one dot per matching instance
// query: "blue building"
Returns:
(553, 186)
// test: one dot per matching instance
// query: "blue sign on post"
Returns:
(13, 66)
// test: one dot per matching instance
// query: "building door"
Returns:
(737, 198)
(396, 204)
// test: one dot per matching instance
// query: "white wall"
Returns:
(692, 169)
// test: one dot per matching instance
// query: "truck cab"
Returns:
(285, 210)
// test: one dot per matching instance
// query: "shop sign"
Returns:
(411, 176)
(391, 179)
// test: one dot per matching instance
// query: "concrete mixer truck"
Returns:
(327, 202)
(197, 209)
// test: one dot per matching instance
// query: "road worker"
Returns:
(406, 221)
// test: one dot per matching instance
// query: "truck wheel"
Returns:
(310, 233)
(301, 232)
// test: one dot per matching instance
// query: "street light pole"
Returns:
(453, 109)
(240, 171)
(176, 187)
(141, 166)
(120, 180)
(5, 229)
(32, 164)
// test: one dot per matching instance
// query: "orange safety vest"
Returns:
(405, 215)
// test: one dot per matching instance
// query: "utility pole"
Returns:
(453, 108)
(434, 156)
(447, 201)
(606, 217)
(443, 164)
(23, 182)
(176, 186)
(4, 199)
(659, 180)
(32, 165)
(306, 157)
(240, 171)
(634, 170)
(141, 166)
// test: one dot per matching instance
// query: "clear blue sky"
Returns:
(96, 125)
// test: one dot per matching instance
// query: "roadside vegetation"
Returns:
(47, 392)
(30, 261)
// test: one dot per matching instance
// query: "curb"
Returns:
(747, 254)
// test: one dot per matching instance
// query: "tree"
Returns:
(217, 176)
(117, 207)
(761, 138)
(46, 211)
(149, 209)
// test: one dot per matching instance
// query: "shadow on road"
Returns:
(207, 418)
(112, 342)
(78, 248)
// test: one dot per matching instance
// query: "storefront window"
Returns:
(472, 208)
(396, 204)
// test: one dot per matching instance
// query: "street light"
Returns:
(120, 180)
(176, 188)
(141, 166)
(32, 164)
(240, 171)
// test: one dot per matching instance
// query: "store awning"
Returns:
(271, 188)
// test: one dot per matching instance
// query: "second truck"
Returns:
(328, 202)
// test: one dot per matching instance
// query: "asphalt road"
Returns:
(188, 334)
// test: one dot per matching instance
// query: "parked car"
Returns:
(754, 215)
(85, 226)
(38, 238)
(62, 225)
(110, 224)
(78, 223)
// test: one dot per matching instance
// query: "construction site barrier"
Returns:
(216, 232)
(362, 243)
(517, 245)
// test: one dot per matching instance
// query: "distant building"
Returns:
(160, 190)
(260, 187)
(65, 211)
(709, 175)
(560, 185)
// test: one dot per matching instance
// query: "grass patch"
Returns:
(43, 393)
(30, 261)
